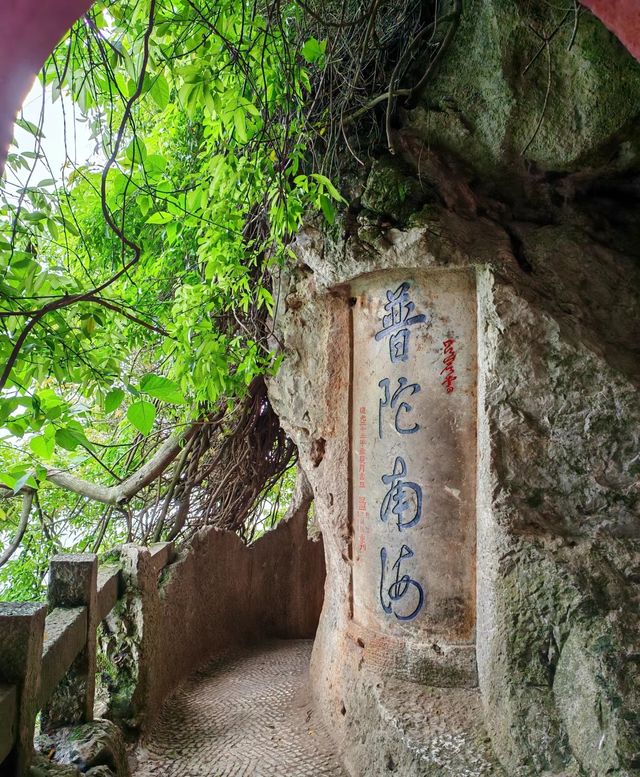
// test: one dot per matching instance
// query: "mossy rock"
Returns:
(595, 689)
(392, 192)
(502, 98)
(43, 767)
(82, 748)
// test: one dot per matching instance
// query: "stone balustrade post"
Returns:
(21, 636)
(73, 583)
(140, 573)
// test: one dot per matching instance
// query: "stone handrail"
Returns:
(48, 661)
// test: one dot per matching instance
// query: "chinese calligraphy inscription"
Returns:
(396, 322)
(413, 443)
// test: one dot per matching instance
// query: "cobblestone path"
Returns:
(246, 716)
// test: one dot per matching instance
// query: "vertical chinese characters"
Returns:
(448, 369)
(402, 587)
(400, 595)
(402, 497)
(392, 401)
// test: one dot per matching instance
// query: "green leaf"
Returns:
(314, 50)
(30, 127)
(52, 406)
(70, 227)
(113, 400)
(194, 198)
(7, 479)
(327, 208)
(88, 326)
(136, 151)
(70, 439)
(43, 446)
(26, 480)
(239, 120)
(53, 229)
(160, 91)
(142, 415)
(322, 179)
(172, 231)
(162, 388)
(155, 164)
(17, 427)
(36, 215)
(161, 217)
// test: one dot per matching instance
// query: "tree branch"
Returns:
(117, 309)
(106, 303)
(122, 492)
(27, 500)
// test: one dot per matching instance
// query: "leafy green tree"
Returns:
(138, 289)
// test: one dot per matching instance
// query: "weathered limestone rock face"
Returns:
(549, 239)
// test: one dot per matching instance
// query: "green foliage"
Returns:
(314, 50)
(152, 268)
(142, 414)
(161, 388)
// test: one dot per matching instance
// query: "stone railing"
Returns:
(215, 594)
(48, 651)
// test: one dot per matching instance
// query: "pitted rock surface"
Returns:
(245, 715)
(96, 749)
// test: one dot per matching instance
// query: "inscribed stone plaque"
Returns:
(414, 454)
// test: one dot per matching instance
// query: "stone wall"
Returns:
(216, 595)
(220, 594)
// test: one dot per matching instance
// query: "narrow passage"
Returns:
(248, 715)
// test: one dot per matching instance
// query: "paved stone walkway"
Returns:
(246, 716)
